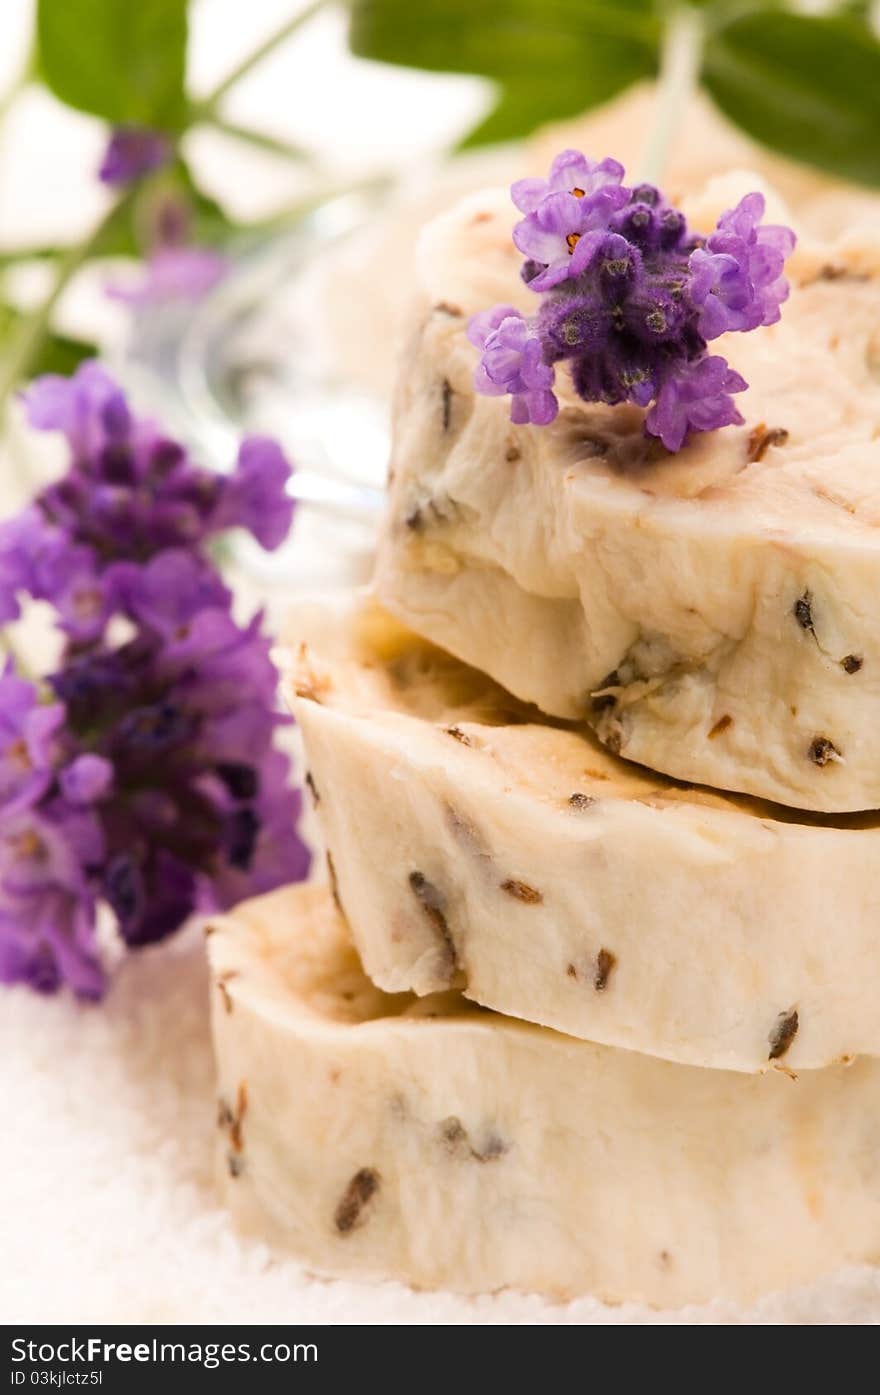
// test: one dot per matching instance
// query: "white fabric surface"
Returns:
(108, 1207)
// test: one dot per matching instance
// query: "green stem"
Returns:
(14, 255)
(680, 59)
(29, 339)
(278, 36)
(282, 218)
(275, 145)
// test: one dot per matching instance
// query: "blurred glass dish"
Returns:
(298, 341)
(250, 357)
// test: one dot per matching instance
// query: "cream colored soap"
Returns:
(427, 1141)
(474, 844)
(713, 614)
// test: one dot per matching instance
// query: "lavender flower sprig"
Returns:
(143, 772)
(176, 269)
(132, 152)
(630, 300)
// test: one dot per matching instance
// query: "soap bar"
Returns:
(428, 1141)
(712, 613)
(473, 844)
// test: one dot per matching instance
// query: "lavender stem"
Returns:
(680, 61)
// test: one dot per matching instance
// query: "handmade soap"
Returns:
(428, 1141)
(472, 843)
(712, 613)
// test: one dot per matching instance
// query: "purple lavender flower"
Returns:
(256, 849)
(28, 740)
(47, 911)
(512, 362)
(130, 492)
(564, 231)
(254, 496)
(23, 539)
(649, 222)
(570, 173)
(736, 279)
(79, 406)
(47, 939)
(198, 786)
(696, 398)
(86, 780)
(144, 774)
(176, 269)
(132, 152)
(629, 300)
(165, 594)
(171, 220)
(573, 325)
(173, 274)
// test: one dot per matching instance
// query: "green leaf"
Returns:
(519, 109)
(861, 8)
(58, 353)
(123, 60)
(211, 224)
(521, 39)
(808, 87)
(552, 59)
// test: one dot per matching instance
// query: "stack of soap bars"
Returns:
(588, 1003)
